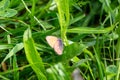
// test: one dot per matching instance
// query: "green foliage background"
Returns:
(89, 30)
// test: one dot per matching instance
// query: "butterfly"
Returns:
(55, 43)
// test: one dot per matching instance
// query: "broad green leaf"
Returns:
(8, 13)
(4, 9)
(111, 71)
(87, 30)
(69, 52)
(4, 4)
(33, 56)
(15, 49)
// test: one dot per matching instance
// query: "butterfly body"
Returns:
(55, 43)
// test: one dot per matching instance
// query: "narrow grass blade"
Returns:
(64, 16)
(118, 46)
(63, 9)
(4, 78)
(17, 48)
(87, 30)
(77, 64)
(6, 46)
(33, 56)
(33, 16)
(99, 64)
(72, 21)
(12, 70)
(2, 27)
(118, 72)
(15, 66)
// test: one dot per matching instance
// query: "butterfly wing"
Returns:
(58, 47)
(55, 43)
(51, 40)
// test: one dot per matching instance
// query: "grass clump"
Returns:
(89, 31)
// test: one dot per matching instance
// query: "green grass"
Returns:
(89, 30)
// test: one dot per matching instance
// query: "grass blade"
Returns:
(15, 66)
(33, 56)
(17, 48)
(4, 78)
(87, 30)
(6, 46)
(63, 10)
